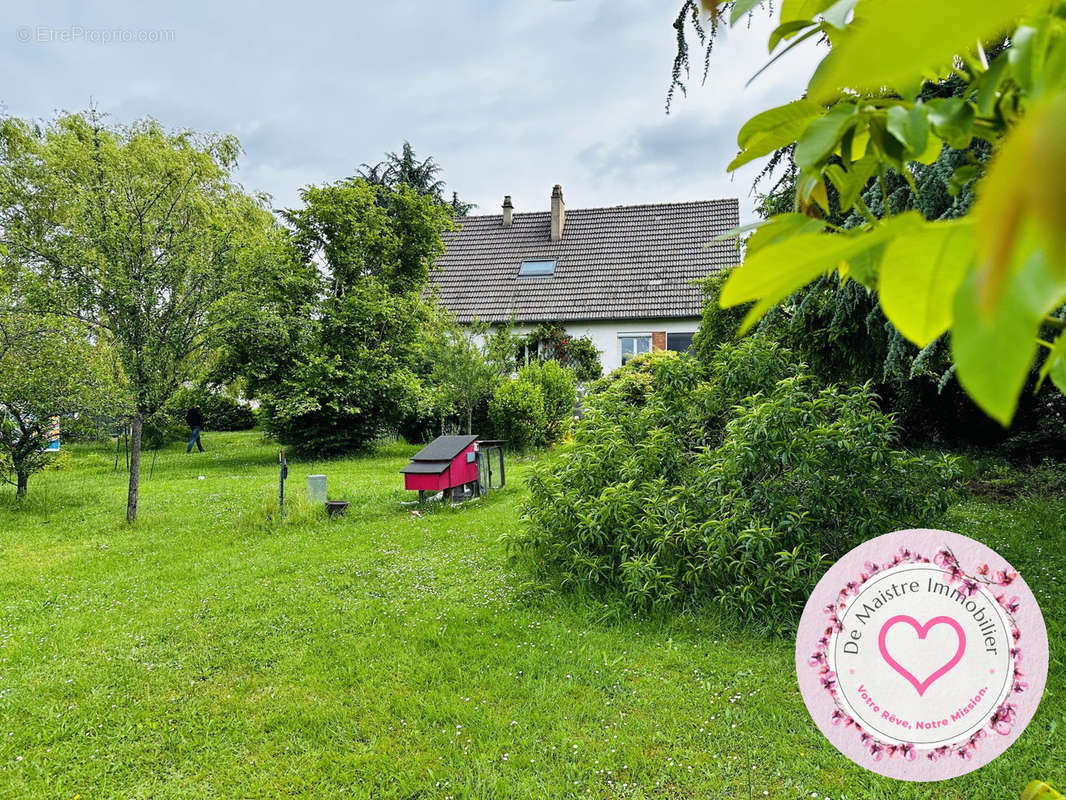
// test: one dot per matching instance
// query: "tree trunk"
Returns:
(470, 419)
(135, 468)
(23, 480)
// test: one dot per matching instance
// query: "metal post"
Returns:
(283, 474)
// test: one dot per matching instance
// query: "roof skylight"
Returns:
(532, 269)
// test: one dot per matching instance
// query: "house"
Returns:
(622, 276)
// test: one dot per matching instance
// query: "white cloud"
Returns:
(509, 98)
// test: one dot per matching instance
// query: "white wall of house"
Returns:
(607, 335)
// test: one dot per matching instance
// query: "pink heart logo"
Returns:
(922, 630)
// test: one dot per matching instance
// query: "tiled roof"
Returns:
(622, 262)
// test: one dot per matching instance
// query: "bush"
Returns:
(734, 482)
(221, 412)
(517, 414)
(558, 387)
(552, 342)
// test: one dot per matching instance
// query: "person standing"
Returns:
(195, 420)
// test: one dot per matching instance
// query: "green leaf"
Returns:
(849, 184)
(1023, 193)
(993, 348)
(812, 189)
(798, 113)
(741, 8)
(802, 9)
(781, 227)
(910, 127)
(1054, 363)
(988, 84)
(933, 147)
(855, 143)
(735, 233)
(863, 266)
(773, 129)
(891, 41)
(1058, 377)
(822, 136)
(1024, 54)
(776, 270)
(788, 29)
(960, 177)
(952, 119)
(909, 88)
(920, 273)
(837, 14)
(1040, 790)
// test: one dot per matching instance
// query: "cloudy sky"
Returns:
(509, 97)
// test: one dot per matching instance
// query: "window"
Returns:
(679, 342)
(533, 269)
(632, 345)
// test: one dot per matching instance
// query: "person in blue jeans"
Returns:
(195, 419)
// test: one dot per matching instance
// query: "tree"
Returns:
(140, 234)
(351, 379)
(464, 370)
(330, 350)
(992, 277)
(49, 370)
(405, 169)
(360, 231)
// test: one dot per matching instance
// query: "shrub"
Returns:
(221, 412)
(581, 355)
(517, 414)
(733, 482)
(558, 387)
(552, 342)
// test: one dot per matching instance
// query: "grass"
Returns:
(212, 651)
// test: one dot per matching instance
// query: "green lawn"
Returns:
(209, 652)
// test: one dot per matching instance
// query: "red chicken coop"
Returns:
(446, 464)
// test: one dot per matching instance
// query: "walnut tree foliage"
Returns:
(991, 277)
(840, 330)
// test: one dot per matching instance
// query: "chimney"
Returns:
(558, 213)
(507, 209)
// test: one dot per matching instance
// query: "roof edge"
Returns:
(723, 200)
